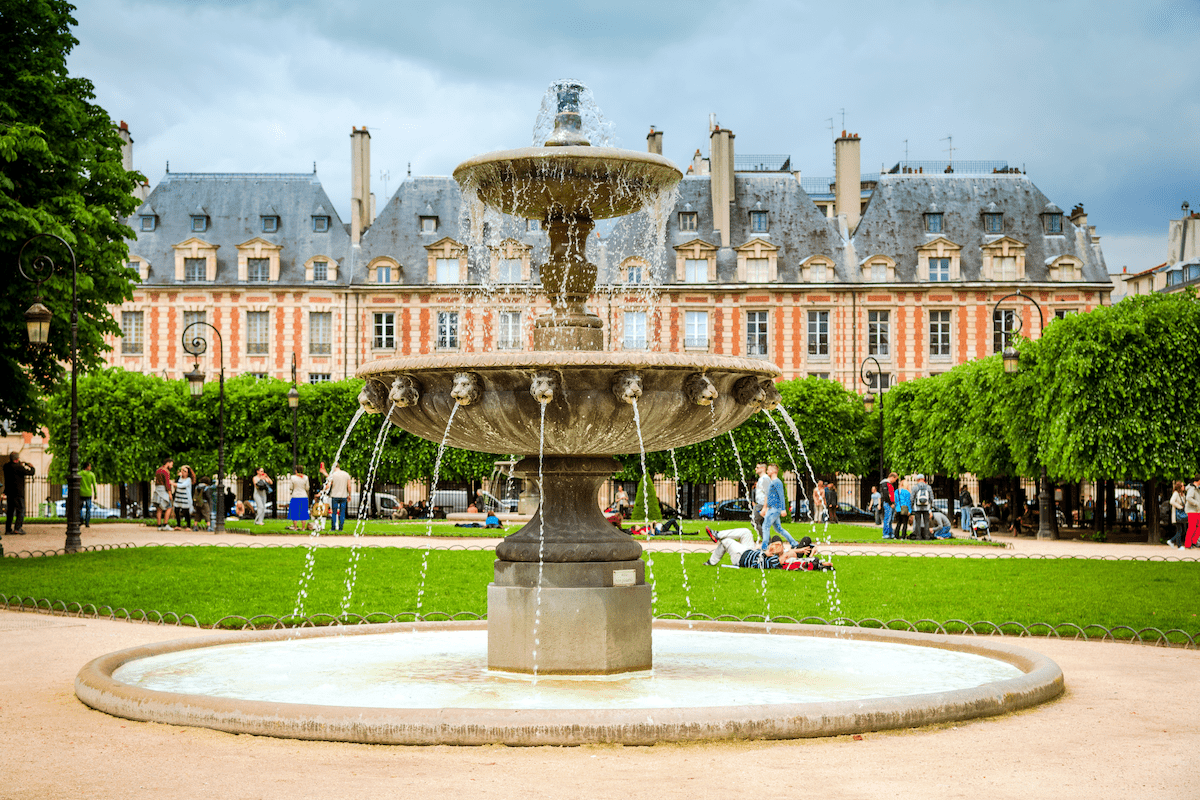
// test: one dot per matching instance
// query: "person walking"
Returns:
(1191, 505)
(262, 485)
(761, 485)
(87, 490)
(183, 497)
(161, 499)
(774, 507)
(1178, 516)
(818, 503)
(298, 507)
(887, 495)
(15, 473)
(337, 484)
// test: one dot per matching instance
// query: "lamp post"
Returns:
(1012, 365)
(196, 346)
(869, 400)
(37, 324)
(293, 398)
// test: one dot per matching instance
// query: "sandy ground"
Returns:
(1127, 727)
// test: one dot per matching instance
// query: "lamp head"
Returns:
(293, 398)
(195, 380)
(37, 322)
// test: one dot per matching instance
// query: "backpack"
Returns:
(923, 498)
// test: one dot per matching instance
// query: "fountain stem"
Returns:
(568, 278)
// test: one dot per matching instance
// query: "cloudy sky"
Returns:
(1097, 100)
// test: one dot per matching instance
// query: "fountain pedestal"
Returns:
(570, 594)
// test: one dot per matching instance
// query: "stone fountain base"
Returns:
(594, 618)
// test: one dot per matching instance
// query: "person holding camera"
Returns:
(15, 473)
(262, 485)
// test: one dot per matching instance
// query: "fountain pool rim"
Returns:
(1041, 680)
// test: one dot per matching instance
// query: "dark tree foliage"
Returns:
(60, 173)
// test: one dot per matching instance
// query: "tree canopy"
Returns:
(60, 173)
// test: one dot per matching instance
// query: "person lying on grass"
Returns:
(738, 544)
(666, 528)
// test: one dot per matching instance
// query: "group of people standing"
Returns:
(902, 502)
(1185, 505)
(182, 496)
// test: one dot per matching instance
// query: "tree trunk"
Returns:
(1150, 504)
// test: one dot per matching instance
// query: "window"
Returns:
(635, 330)
(383, 274)
(1004, 324)
(509, 270)
(429, 224)
(199, 223)
(533, 225)
(1004, 268)
(258, 270)
(756, 333)
(131, 332)
(933, 223)
(822, 375)
(695, 270)
(879, 381)
(633, 274)
(1063, 313)
(190, 318)
(818, 333)
(149, 222)
(1053, 223)
(320, 333)
(195, 269)
(270, 224)
(939, 269)
(447, 270)
(508, 330)
(758, 221)
(757, 269)
(262, 376)
(320, 223)
(818, 273)
(878, 329)
(879, 273)
(939, 334)
(258, 332)
(447, 330)
(320, 270)
(319, 377)
(695, 329)
(993, 223)
(385, 331)
(687, 220)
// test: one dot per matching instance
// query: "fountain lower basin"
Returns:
(428, 683)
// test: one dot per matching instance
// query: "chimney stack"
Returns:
(362, 202)
(654, 141)
(720, 148)
(848, 180)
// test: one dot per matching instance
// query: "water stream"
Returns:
(437, 468)
(364, 505)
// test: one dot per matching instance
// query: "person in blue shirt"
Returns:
(773, 508)
(903, 509)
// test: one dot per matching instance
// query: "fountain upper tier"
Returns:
(567, 182)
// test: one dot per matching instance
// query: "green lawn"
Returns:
(213, 582)
(693, 530)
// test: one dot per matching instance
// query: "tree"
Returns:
(61, 173)
(645, 503)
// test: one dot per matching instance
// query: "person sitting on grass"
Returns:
(738, 544)
(491, 520)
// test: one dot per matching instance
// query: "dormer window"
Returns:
(383, 274)
(758, 222)
(687, 220)
(429, 224)
(320, 271)
(933, 222)
(993, 219)
(633, 274)
(533, 225)
(199, 223)
(149, 222)
(320, 223)
(1052, 220)
(270, 223)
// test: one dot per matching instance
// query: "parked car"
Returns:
(849, 513)
(707, 511)
(98, 511)
(732, 509)
(670, 512)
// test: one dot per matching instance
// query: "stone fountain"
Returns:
(584, 576)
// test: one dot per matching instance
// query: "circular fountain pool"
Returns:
(429, 683)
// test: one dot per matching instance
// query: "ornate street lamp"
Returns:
(1012, 365)
(865, 376)
(196, 346)
(293, 400)
(37, 322)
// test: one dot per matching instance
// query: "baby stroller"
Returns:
(978, 524)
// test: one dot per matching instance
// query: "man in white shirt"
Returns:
(760, 498)
(337, 485)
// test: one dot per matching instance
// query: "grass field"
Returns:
(693, 530)
(212, 582)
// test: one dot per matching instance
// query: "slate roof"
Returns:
(235, 204)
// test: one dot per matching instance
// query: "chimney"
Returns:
(654, 141)
(699, 164)
(362, 207)
(720, 149)
(848, 178)
(1078, 216)
(126, 146)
